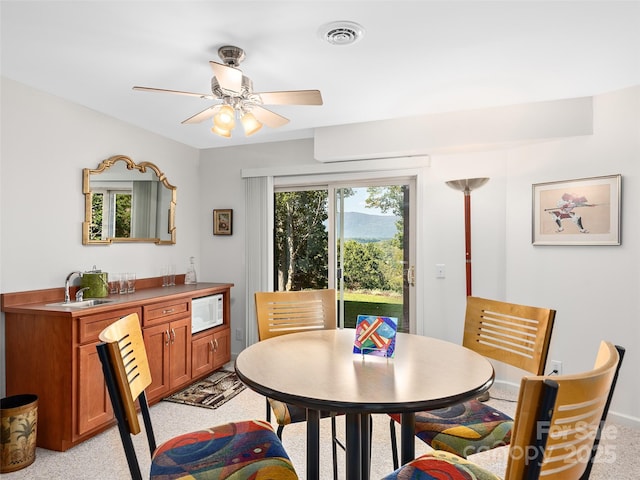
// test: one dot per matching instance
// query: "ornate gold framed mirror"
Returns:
(127, 202)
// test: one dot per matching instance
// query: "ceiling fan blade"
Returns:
(203, 115)
(269, 118)
(229, 78)
(177, 92)
(293, 97)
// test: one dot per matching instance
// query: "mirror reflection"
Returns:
(125, 202)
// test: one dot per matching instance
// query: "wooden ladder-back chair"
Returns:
(557, 427)
(282, 313)
(515, 334)
(236, 449)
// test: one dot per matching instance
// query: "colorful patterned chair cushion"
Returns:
(238, 450)
(439, 466)
(464, 429)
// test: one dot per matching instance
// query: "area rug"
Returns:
(211, 392)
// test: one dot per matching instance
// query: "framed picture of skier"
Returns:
(585, 211)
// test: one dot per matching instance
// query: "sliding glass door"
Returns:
(355, 237)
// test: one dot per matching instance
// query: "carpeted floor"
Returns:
(102, 457)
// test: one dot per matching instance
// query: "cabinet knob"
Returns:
(173, 335)
(167, 311)
(166, 333)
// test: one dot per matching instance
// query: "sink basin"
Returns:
(93, 302)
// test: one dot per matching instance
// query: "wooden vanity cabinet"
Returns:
(51, 352)
(211, 349)
(167, 339)
(94, 405)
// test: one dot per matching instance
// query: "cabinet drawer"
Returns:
(161, 312)
(91, 325)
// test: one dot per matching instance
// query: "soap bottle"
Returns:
(190, 276)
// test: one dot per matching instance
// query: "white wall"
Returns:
(46, 142)
(445, 238)
(595, 289)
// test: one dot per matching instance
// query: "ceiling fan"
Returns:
(235, 91)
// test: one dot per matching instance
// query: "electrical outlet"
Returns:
(440, 270)
(238, 334)
(556, 367)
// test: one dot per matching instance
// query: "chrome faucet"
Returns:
(67, 298)
(80, 294)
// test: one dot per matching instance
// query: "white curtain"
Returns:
(143, 217)
(258, 245)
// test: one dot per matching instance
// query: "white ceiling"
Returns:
(416, 57)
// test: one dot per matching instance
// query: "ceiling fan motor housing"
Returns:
(245, 94)
(231, 55)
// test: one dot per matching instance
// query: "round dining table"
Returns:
(319, 371)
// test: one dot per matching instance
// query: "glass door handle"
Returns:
(411, 276)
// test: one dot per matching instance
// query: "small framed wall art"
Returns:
(223, 222)
(585, 211)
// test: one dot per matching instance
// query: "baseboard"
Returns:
(622, 419)
(510, 386)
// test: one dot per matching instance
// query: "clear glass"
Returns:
(114, 282)
(131, 282)
(190, 276)
(164, 271)
(172, 275)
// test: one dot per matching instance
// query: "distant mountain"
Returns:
(369, 227)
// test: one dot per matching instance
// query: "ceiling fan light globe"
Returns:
(225, 118)
(250, 124)
(221, 131)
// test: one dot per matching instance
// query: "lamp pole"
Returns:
(466, 186)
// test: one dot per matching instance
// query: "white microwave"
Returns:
(206, 312)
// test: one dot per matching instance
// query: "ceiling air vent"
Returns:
(341, 33)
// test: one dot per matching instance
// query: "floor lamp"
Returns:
(465, 186)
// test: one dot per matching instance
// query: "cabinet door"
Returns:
(94, 404)
(202, 351)
(180, 356)
(156, 342)
(222, 350)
